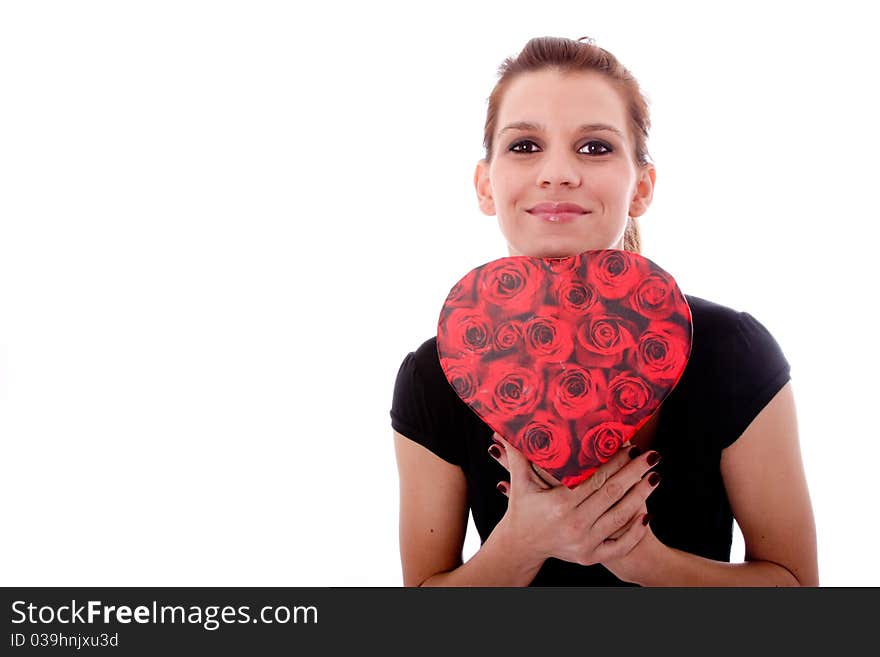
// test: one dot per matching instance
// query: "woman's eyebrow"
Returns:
(586, 127)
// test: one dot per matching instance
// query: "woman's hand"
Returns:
(643, 558)
(601, 519)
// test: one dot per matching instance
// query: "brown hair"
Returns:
(567, 55)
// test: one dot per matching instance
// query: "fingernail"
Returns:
(634, 452)
(502, 487)
(646, 519)
(495, 451)
(653, 457)
(654, 479)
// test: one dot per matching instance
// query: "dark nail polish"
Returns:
(653, 457)
(634, 452)
(646, 519)
(495, 451)
(502, 487)
(654, 479)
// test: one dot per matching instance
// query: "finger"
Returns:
(615, 549)
(603, 473)
(497, 452)
(636, 518)
(621, 514)
(521, 473)
(545, 481)
(619, 483)
(622, 481)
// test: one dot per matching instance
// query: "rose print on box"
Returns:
(566, 358)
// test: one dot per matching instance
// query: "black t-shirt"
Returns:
(735, 368)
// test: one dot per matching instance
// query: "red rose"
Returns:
(462, 378)
(466, 331)
(606, 334)
(661, 352)
(614, 273)
(628, 394)
(507, 335)
(655, 297)
(544, 441)
(576, 391)
(507, 389)
(601, 443)
(515, 283)
(547, 338)
(574, 296)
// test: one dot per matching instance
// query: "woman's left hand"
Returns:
(642, 559)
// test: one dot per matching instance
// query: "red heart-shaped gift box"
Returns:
(566, 358)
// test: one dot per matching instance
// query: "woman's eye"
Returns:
(601, 144)
(513, 148)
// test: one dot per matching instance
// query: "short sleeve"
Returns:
(752, 369)
(418, 408)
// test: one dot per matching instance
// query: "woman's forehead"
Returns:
(549, 101)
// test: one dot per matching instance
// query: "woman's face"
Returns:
(555, 161)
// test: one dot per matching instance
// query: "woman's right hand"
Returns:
(599, 520)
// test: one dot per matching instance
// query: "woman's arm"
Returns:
(433, 522)
(764, 477)
(765, 482)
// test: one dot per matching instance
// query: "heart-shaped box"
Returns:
(566, 358)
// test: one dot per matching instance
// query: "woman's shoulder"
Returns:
(723, 324)
(710, 317)
(421, 368)
(732, 347)
(425, 407)
(736, 366)
(427, 351)
(424, 359)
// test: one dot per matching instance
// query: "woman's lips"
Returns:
(558, 217)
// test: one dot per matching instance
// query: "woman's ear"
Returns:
(644, 191)
(484, 188)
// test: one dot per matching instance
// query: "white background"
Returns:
(224, 224)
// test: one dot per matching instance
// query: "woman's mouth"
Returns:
(556, 212)
(558, 217)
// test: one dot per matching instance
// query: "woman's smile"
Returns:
(557, 213)
(558, 217)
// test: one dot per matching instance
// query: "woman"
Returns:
(567, 124)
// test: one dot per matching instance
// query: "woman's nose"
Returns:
(558, 169)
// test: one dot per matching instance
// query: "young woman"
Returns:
(567, 124)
